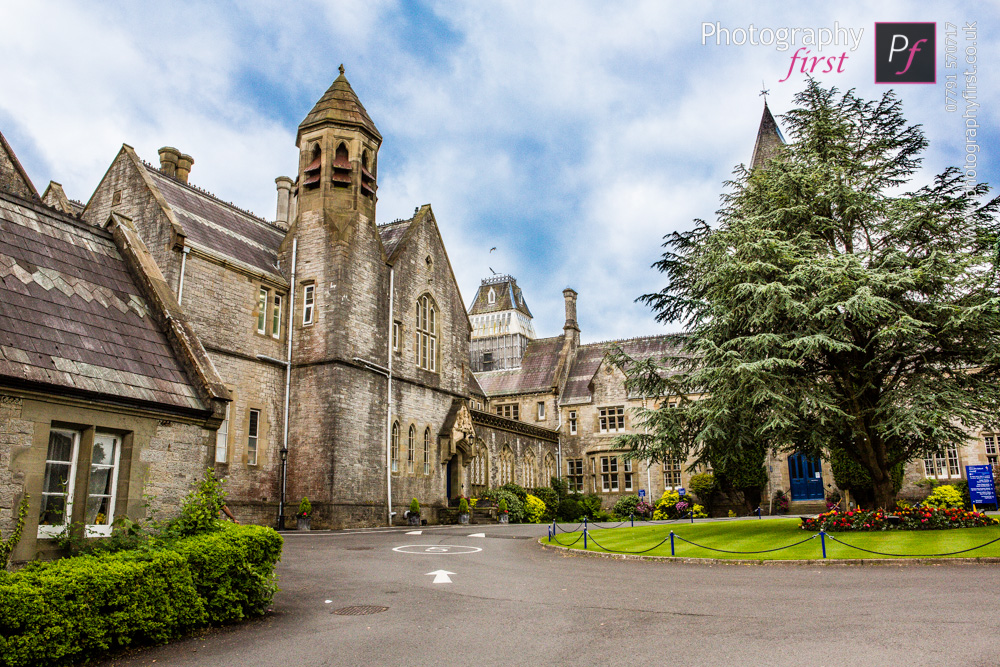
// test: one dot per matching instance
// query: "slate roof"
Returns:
(536, 374)
(508, 296)
(589, 358)
(340, 105)
(392, 234)
(221, 227)
(71, 317)
(13, 177)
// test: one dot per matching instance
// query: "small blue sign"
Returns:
(681, 491)
(982, 490)
(642, 493)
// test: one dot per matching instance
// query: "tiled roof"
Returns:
(769, 139)
(589, 358)
(536, 374)
(13, 178)
(508, 297)
(392, 234)
(71, 317)
(221, 227)
(340, 105)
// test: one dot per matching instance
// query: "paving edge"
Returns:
(824, 562)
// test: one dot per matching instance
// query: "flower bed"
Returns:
(910, 518)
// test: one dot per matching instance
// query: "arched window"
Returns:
(394, 447)
(506, 466)
(310, 175)
(529, 472)
(427, 451)
(548, 469)
(341, 172)
(426, 333)
(491, 296)
(410, 446)
(479, 471)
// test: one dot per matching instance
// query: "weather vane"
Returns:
(763, 91)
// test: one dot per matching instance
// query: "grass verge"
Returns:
(760, 536)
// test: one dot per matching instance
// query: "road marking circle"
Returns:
(436, 549)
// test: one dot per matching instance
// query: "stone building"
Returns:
(108, 402)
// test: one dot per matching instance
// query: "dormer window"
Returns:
(491, 297)
(341, 175)
(310, 176)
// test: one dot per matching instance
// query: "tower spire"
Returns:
(769, 137)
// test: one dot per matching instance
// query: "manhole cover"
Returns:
(360, 610)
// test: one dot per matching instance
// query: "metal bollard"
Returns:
(822, 540)
(758, 513)
(691, 514)
(550, 534)
(631, 517)
(671, 543)
(553, 526)
(585, 524)
(585, 539)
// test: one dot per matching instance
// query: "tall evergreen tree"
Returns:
(829, 310)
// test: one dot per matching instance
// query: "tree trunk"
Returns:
(885, 495)
(751, 498)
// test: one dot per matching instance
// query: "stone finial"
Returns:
(341, 69)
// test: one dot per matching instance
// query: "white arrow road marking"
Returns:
(441, 576)
(415, 532)
(478, 535)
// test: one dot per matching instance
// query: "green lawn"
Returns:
(772, 533)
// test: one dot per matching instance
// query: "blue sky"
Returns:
(571, 136)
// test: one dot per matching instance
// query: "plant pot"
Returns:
(503, 518)
(302, 522)
(413, 519)
(463, 519)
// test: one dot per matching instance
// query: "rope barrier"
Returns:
(880, 553)
(763, 551)
(579, 537)
(561, 529)
(613, 551)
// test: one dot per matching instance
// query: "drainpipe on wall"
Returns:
(180, 282)
(288, 384)
(388, 413)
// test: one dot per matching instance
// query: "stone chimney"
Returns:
(184, 163)
(284, 200)
(168, 161)
(569, 295)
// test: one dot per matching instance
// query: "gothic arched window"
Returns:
(506, 466)
(427, 451)
(394, 447)
(410, 446)
(426, 333)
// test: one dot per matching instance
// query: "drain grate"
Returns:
(360, 610)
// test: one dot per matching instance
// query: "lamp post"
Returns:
(281, 501)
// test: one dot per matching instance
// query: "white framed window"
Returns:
(491, 296)
(506, 466)
(410, 447)
(943, 464)
(609, 474)
(396, 326)
(671, 473)
(627, 474)
(394, 448)
(276, 317)
(572, 422)
(574, 474)
(253, 436)
(222, 438)
(510, 411)
(262, 310)
(541, 410)
(308, 303)
(59, 482)
(101, 491)
(612, 420)
(427, 451)
(426, 335)
(990, 442)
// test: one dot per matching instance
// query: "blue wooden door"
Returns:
(806, 477)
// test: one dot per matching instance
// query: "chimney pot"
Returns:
(284, 184)
(184, 163)
(168, 161)
(569, 295)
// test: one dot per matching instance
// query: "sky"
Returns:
(570, 136)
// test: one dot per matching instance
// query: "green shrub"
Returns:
(591, 504)
(415, 507)
(560, 486)
(305, 508)
(503, 506)
(7, 546)
(515, 508)
(534, 509)
(550, 497)
(569, 510)
(518, 490)
(200, 508)
(463, 506)
(703, 485)
(945, 495)
(233, 569)
(80, 607)
(625, 507)
(666, 507)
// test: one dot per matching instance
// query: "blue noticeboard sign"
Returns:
(642, 493)
(982, 490)
(681, 491)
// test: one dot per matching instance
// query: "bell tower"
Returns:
(338, 161)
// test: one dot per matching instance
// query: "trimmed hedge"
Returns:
(67, 610)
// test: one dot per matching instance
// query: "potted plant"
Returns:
(302, 517)
(502, 514)
(463, 511)
(413, 516)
